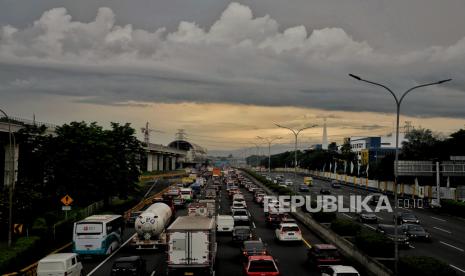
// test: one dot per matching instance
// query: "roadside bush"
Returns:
(425, 266)
(39, 227)
(453, 207)
(325, 217)
(345, 227)
(23, 250)
(374, 244)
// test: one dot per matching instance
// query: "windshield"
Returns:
(124, 265)
(240, 213)
(241, 231)
(258, 246)
(328, 253)
(89, 228)
(409, 216)
(416, 228)
(290, 228)
(262, 266)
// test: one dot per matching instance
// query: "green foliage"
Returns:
(324, 217)
(422, 144)
(345, 227)
(374, 244)
(425, 266)
(23, 249)
(453, 207)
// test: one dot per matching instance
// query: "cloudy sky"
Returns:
(227, 71)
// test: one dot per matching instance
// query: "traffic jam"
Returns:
(205, 224)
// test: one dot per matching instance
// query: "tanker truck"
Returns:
(150, 227)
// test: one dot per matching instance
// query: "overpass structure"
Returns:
(163, 158)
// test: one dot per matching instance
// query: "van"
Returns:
(60, 264)
(224, 223)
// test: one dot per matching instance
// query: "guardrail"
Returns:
(347, 248)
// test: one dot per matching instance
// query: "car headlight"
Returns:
(417, 221)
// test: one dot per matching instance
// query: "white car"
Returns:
(60, 264)
(288, 232)
(238, 205)
(224, 223)
(288, 182)
(338, 270)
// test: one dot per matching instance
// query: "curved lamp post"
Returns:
(398, 104)
(269, 140)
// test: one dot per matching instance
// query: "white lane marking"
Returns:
(344, 214)
(369, 226)
(459, 269)
(450, 245)
(380, 218)
(443, 230)
(437, 218)
(253, 223)
(260, 239)
(153, 273)
(112, 254)
(411, 246)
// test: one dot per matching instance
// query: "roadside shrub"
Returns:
(345, 227)
(23, 250)
(325, 217)
(453, 207)
(374, 244)
(39, 227)
(425, 266)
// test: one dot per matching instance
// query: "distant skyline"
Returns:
(227, 71)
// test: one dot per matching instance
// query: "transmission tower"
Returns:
(146, 131)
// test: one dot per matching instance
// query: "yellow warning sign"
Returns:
(66, 200)
(18, 228)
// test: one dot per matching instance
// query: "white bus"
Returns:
(97, 235)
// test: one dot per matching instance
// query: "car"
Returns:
(288, 182)
(406, 217)
(389, 232)
(273, 206)
(325, 191)
(224, 223)
(281, 184)
(241, 233)
(303, 188)
(238, 205)
(253, 248)
(335, 184)
(259, 197)
(251, 188)
(367, 217)
(415, 232)
(241, 217)
(288, 232)
(261, 266)
(374, 198)
(273, 219)
(324, 255)
(60, 264)
(339, 270)
(269, 178)
(233, 191)
(132, 265)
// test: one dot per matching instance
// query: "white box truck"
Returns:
(192, 246)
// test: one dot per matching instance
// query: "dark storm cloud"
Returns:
(240, 58)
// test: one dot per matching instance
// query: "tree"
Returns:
(422, 144)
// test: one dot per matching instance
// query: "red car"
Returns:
(261, 266)
(324, 254)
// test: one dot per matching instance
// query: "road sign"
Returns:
(18, 228)
(415, 168)
(66, 208)
(453, 168)
(67, 200)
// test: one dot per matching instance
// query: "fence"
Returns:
(403, 189)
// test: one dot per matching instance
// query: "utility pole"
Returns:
(296, 133)
(269, 141)
(12, 175)
(398, 104)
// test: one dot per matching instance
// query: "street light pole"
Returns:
(296, 133)
(12, 179)
(398, 104)
(269, 141)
